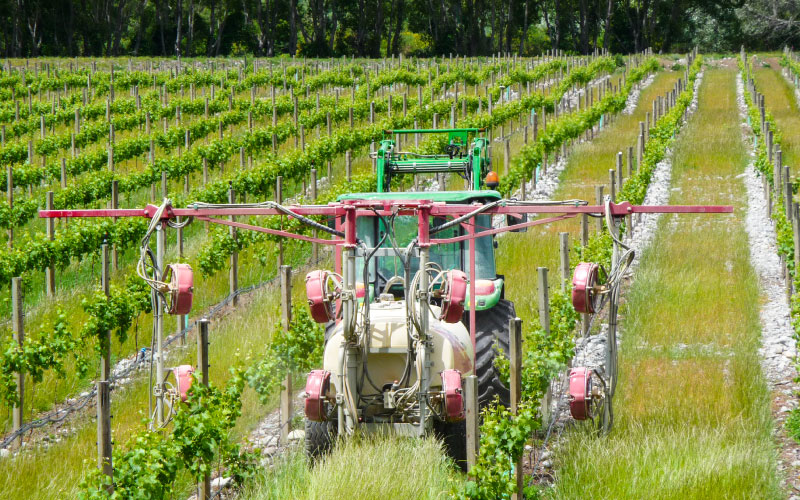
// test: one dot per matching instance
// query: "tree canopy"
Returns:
(373, 28)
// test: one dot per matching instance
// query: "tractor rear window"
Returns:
(448, 256)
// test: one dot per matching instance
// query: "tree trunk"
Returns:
(179, 17)
(212, 20)
(190, 44)
(220, 31)
(262, 26)
(122, 23)
(524, 29)
(673, 19)
(509, 25)
(584, 24)
(493, 26)
(33, 30)
(70, 29)
(160, 16)
(376, 48)
(633, 20)
(293, 27)
(17, 41)
(362, 29)
(557, 38)
(607, 27)
(334, 26)
(140, 31)
(398, 25)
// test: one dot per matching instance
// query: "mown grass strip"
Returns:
(691, 423)
(782, 105)
(587, 167)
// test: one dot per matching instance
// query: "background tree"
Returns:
(374, 28)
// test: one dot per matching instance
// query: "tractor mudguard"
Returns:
(487, 294)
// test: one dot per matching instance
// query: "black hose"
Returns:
(310, 222)
(367, 258)
(459, 220)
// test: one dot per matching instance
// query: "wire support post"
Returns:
(515, 354)
(104, 461)
(18, 328)
(286, 389)
(473, 420)
(204, 486)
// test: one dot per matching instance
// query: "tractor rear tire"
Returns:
(454, 437)
(491, 327)
(319, 437)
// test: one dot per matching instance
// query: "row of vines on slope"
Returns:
(125, 114)
(39, 254)
(503, 435)
(262, 374)
(259, 181)
(783, 226)
(146, 467)
(159, 106)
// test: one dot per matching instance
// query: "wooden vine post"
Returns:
(204, 487)
(598, 198)
(473, 420)
(796, 233)
(286, 320)
(563, 247)
(584, 242)
(18, 329)
(279, 199)
(10, 192)
(612, 180)
(314, 246)
(50, 271)
(544, 299)
(115, 205)
(348, 165)
(103, 384)
(234, 272)
(515, 354)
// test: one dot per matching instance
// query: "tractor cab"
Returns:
(388, 269)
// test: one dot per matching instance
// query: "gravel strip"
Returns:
(590, 350)
(778, 346)
(778, 350)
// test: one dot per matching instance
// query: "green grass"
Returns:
(691, 422)
(780, 101)
(365, 468)
(519, 254)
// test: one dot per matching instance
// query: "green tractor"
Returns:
(395, 357)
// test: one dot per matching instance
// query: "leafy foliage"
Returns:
(783, 227)
(54, 345)
(573, 125)
(146, 467)
(503, 434)
(297, 350)
(662, 134)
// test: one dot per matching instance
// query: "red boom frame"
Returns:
(351, 209)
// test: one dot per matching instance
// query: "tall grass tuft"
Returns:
(361, 467)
